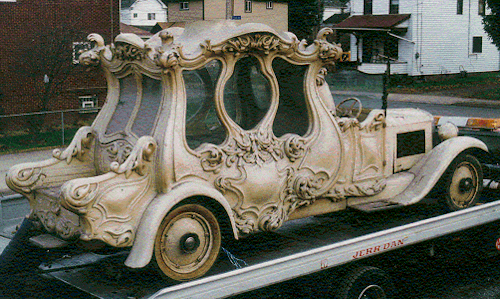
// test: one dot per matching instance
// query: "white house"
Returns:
(334, 7)
(420, 37)
(143, 12)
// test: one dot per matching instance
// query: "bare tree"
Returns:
(47, 63)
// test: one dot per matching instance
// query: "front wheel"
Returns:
(187, 243)
(463, 182)
(366, 282)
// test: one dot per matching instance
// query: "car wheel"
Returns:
(365, 282)
(463, 182)
(187, 243)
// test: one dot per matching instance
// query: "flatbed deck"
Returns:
(299, 248)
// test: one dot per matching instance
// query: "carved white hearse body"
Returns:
(224, 130)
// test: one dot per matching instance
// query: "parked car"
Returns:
(221, 130)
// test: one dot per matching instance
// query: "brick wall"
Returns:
(194, 13)
(21, 26)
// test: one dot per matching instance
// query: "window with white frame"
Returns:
(78, 49)
(135, 15)
(184, 5)
(151, 16)
(248, 5)
(88, 104)
(269, 4)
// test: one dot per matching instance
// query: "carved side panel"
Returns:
(110, 205)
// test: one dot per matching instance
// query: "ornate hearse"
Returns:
(221, 130)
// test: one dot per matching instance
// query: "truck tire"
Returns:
(187, 243)
(463, 182)
(365, 282)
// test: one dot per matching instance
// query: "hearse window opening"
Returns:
(149, 107)
(137, 107)
(247, 94)
(184, 5)
(202, 122)
(293, 113)
(125, 106)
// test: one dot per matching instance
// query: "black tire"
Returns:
(365, 282)
(463, 183)
(187, 243)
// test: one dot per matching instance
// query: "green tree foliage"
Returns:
(492, 21)
(304, 17)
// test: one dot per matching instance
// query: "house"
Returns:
(334, 7)
(30, 30)
(420, 37)
(143, 13)
(272, 13)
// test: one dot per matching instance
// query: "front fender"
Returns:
(142, 250)
(432, 166)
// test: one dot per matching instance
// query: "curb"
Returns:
(442, 100)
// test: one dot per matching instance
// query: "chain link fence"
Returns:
(42, 129)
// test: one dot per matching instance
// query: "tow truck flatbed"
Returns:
(299, 248)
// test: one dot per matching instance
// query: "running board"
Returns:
(376, 206)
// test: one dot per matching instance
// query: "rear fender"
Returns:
(142, 250)
(432, 166)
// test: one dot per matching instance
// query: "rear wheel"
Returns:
(463, 182)
(366, 282)
(187, 243)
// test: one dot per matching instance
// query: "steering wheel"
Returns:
(350, 110)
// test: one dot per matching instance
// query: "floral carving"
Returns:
(295, 147)
(260, 42)
(320, 78)
(252, 148)
(54, 219)
(124, 51)
(368, 188)
(118, 151)
(375, 123)
(168, 59)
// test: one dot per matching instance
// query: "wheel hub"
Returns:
(189, 242)
(465, 185)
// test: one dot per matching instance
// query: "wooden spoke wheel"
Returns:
(463, 182)
(187, 243)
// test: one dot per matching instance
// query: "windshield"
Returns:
(346, 83)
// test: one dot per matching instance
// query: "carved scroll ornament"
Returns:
(95, 199)
(78, 147)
